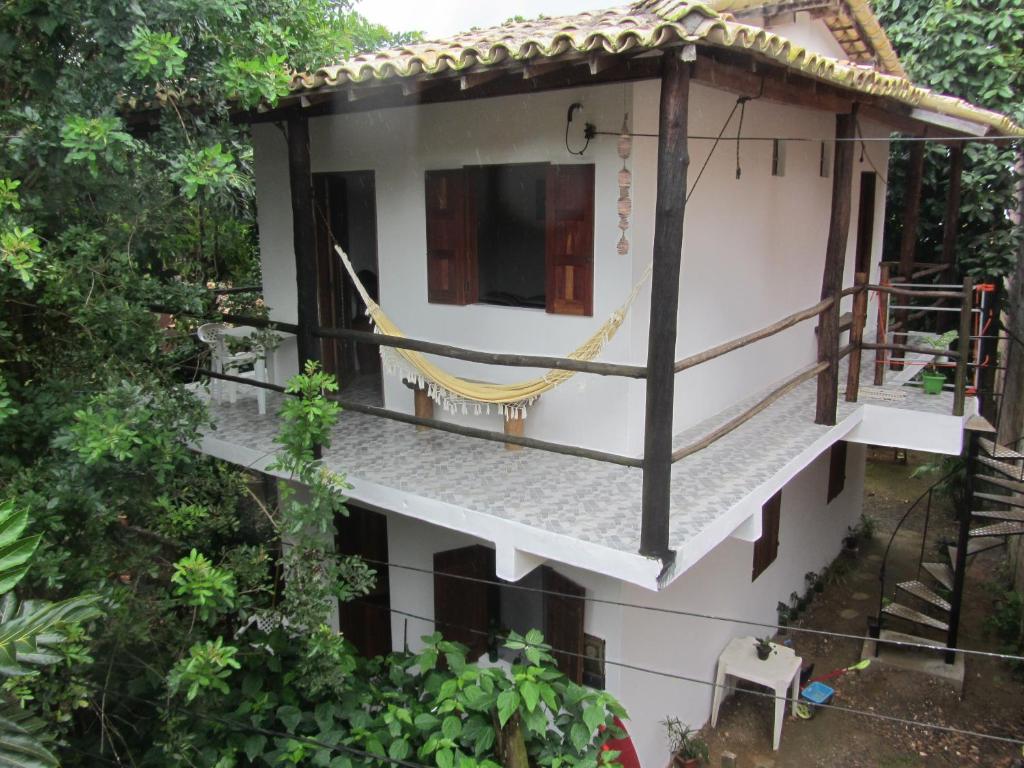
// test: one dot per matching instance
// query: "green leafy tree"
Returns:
(32, 634)
(973, 49)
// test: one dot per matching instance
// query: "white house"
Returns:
(459, 176)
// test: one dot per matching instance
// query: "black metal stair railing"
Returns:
(924, 499)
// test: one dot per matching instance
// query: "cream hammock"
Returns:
(456, 394)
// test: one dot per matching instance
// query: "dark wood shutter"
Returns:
(463, 609)
(766, 548)
(836, 470)
(563, 622)
(447, 237)
(569, 235)
(366, 621)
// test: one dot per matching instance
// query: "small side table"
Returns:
(780, 671)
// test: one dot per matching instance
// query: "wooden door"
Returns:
(366, 621)
(464, 610)
(345, 212)
(563, 621)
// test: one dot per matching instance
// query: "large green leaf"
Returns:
(12, 522)
(19, 746)
(28, 631)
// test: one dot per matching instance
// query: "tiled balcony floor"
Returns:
(586, 500)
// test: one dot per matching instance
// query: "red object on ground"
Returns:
(627, 752)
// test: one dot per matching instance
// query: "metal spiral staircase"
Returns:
(990, 512)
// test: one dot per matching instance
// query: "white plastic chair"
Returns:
(223, 361)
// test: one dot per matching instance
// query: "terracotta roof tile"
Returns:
(647, 24)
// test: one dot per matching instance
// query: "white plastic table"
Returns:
(780, 671)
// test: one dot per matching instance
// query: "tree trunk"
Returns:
(511, 742)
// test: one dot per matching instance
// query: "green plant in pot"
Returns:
(686, 745)
(783, 617)
(814, 582)
(932, 379)
(764, 648)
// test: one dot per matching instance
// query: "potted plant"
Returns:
(794, 602)
(851, 542)
(764, 648)
(687, 746)
(932, 379)
(783, 617)
(814, 582)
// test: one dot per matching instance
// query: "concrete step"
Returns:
(909, 614)
(1014, 500)
(1010, 485)
(922, 592)
(997, 451)
(998, 529)
(1012, 471)
(903, 637)
(941, 572)
(976, 545)
(1015, 515)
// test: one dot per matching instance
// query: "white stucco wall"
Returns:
(810, 536)
(753, 247)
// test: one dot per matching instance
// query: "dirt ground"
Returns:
(993, 700)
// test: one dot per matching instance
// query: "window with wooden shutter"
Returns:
(447, 251)
(836, 470)
(463, 609)
(570, 240)
(563, 622)
(514, 235)
(766, 548)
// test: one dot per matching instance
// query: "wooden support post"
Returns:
(300, 179)
(423, 407)
(301, 182)
(908, 241)
(860, 316)
(964, 347)
(832, 275)
(881, 329)
(911, 209)
(951, 222)
(514, 428)
(673, 161)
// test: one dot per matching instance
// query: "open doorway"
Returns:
(366, 621)
(346, 215)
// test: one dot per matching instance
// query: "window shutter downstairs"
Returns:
(569, 236)
(766, 548)
(563, 622)
(463, 609)
(447, 268)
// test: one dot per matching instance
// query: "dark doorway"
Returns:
(346, 214)
(865, 221)
(366, 621)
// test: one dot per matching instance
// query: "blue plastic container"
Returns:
(816, 694)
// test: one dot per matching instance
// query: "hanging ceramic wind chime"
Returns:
(625, 182)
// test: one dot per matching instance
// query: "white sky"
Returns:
(437, 18)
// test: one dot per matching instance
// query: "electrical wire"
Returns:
(692, 614)
(890, 139)
(710, 683)
(714, 146)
